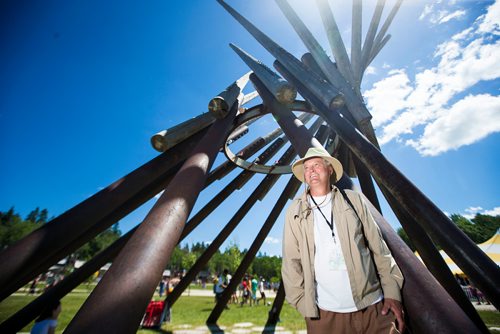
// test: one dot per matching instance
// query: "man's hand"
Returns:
(395, 307)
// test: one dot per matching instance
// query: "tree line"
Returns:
(13, 227)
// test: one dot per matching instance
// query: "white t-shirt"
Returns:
(333, 289)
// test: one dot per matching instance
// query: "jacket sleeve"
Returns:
(389, 273)
(291, 268)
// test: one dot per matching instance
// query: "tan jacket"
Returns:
(364, 269)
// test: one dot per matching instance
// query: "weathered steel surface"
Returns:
(274, 312)
(370, 35)
(433, 260)
(377, 43)
(220, 105)
(120, 299)
(357, 14)
(28, 257)
(28, 313)
(166, 139)
(329, 93)
(280, 88)
(335, 40)
(328, 68)
(417, 205)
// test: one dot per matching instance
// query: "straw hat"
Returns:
(317, 152)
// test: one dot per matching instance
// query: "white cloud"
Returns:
(427, 10)
(493, 212)
(448, 17)
(471, 212)
(271, 240)
(490, 22)
(159, 194)
(400, 105)
(370, 70)
(467, 121)
(388, 96)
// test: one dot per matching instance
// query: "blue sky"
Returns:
(84, 85)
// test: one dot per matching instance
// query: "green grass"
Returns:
(193, 311)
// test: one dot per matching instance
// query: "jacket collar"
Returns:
(303, 208)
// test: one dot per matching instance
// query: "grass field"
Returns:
(191, 313)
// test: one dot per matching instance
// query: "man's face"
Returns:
(317, 172)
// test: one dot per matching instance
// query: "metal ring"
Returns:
(252, 113)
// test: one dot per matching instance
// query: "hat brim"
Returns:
(298, 167)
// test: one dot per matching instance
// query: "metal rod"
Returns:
(26, 258)
(280, 88)
(365, 127)
(387, 23)
(121, 297)
(166, 139)
(370, 35)
(28, 313)
(433, 260)
(220, 105)
(357, 15)
(458, 246)
(335, 40)
(328, 69)
(274, 312)
(376, 49)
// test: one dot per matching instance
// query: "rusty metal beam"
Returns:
(335, 40)
(357, 14)
(411, 199)
(28, 313)
(27, 257)
(280, 88)
(370, 35)
(274, 312)
(121, 297)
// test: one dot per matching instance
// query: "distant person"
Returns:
(254, 285)
(47, 321)
(222, 283)
(246, 290)
(262, 291)
(162, 287)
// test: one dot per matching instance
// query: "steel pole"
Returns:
(120, 299)
(27, 257)
(274, 312)
(28, 313)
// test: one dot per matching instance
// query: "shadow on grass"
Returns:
(215, 329)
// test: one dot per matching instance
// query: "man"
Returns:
(221, 285)
(337, 270)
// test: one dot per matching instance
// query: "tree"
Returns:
(13, 227)
(478, 229)
(99, 243)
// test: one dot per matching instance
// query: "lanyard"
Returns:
(330, 224)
